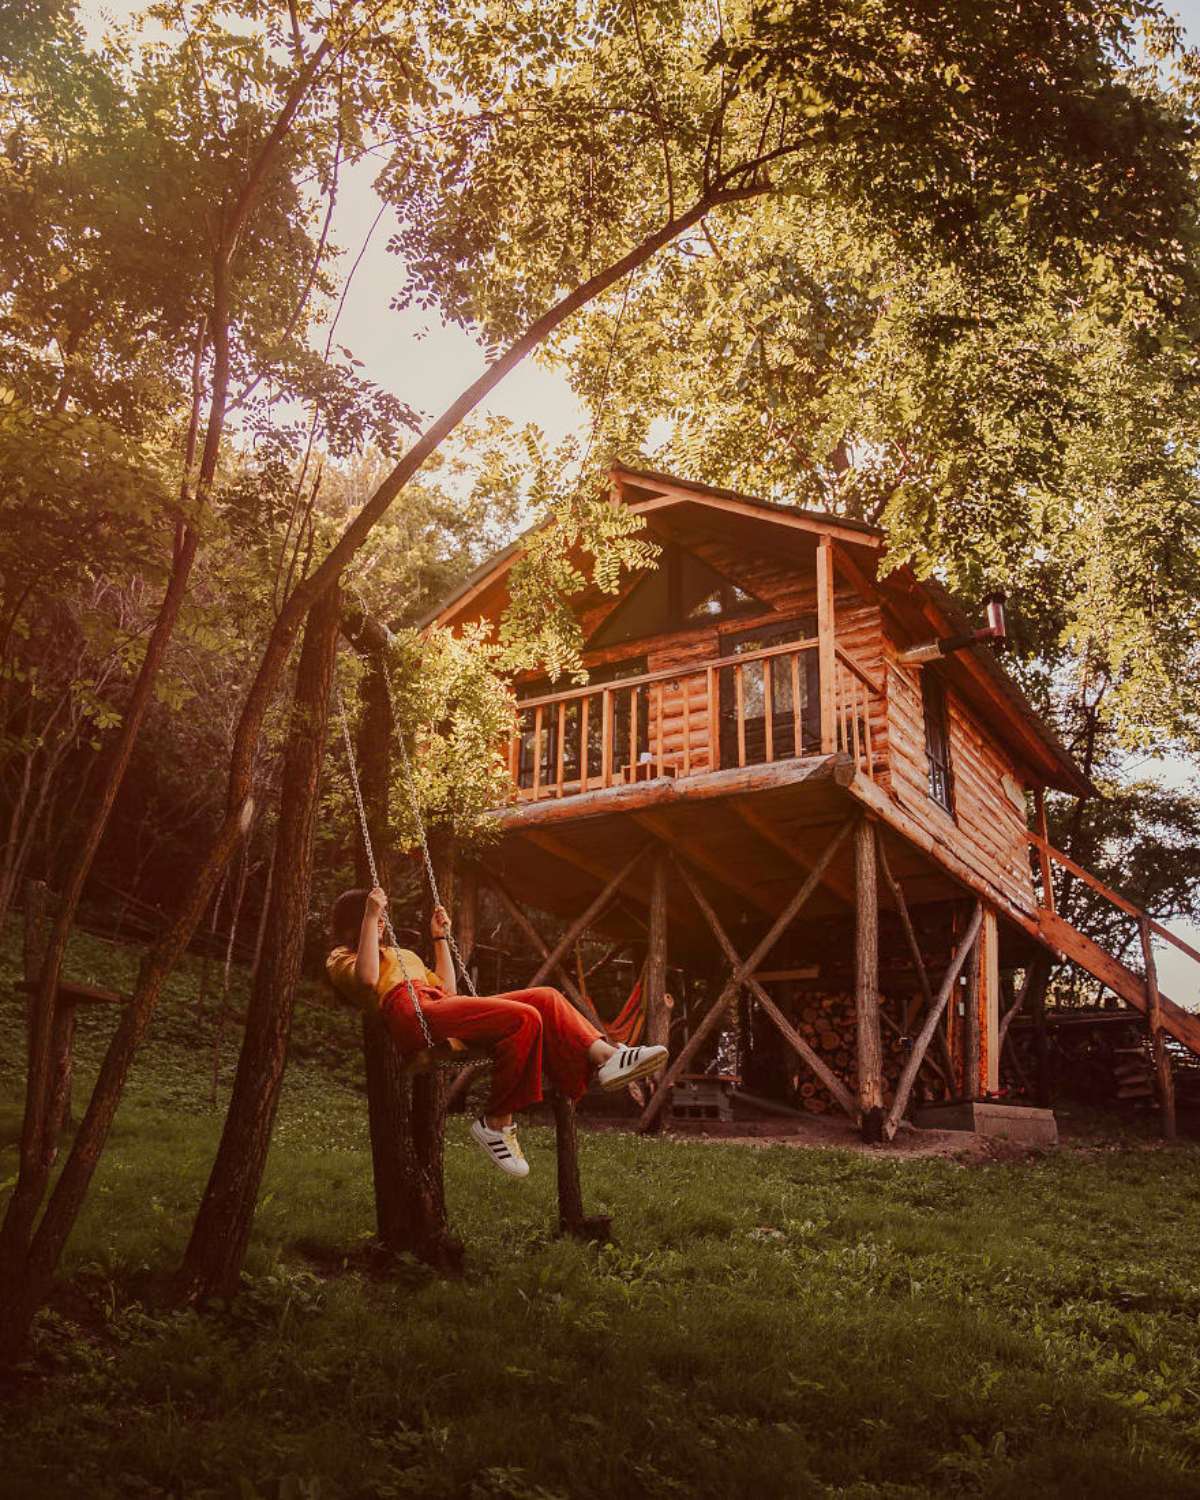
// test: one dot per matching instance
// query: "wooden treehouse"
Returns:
(769, 787)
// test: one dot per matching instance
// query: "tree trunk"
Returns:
(410, 1202)
(658, 1015)
(970, 1030)
(29, 1268)
(213, 1262)
(1044, 1087)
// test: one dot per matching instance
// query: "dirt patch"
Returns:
(831, 1133)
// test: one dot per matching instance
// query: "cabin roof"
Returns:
(980, 673)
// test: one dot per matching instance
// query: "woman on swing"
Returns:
(517, 1028)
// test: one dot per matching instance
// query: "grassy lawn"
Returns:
(773, 1322)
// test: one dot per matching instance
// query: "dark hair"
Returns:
(346, 917)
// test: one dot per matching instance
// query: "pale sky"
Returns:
(427, 364)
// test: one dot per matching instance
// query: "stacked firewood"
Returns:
(827, 1023)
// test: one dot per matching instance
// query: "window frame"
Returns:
(935, 711)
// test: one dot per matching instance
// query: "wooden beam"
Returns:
(1162, 1060)
(670, 495)
(585, 920)
(868, 1040)
(658, 1014)
(736, 980)
(1043, 849)
(826, 645)
(672, 791)
(921, 1045)
(989, 990)
(578, 861)
(1080, 949)
(803, 1048)
(712, 864)
(970, 1035)
(914, 947)
(573, 992)
(760, 824)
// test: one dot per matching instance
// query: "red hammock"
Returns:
(627, 1026)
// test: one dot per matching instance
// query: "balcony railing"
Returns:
(760, 706)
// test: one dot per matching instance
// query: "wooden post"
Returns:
(837, 1089)
(826, 644)
(989, 1003)
(571, 1218)
(1162, 1058)
(658, 1016)
(1044, 1089)
(933, 1015)
(737, 978)
(866, 982)
(971, 1049)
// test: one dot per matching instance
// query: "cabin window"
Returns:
(772, 675)
(937, 738)
(625, 704)
(682, 591)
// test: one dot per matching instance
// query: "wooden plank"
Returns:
(762, 826)
(584, 778)
(1162, 1060)
(737, 978)
(537, 753)
(633, 726)
(714, 720)
(562, 745)
(606, 727)
(826, 644)
(1115, 898)
(768, 710)
(660, 727)
(925, 1035)
(824, 527)
(675, 790)
(717, 868)
(869, 1042)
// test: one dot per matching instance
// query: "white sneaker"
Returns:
(502, 1147)
(628, 1063)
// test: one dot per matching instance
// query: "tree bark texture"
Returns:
(866, 983)
(970, 1030)
(213, 1261)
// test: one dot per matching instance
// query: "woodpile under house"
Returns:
(802, 791)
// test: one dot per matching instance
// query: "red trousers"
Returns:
(515, 1028)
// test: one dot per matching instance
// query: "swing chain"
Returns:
(406, 773)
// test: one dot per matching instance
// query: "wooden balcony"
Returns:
(790, 701)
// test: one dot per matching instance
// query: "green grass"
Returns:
(771, 1323)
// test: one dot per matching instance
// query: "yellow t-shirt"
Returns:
(395, 966)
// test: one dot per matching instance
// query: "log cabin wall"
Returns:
(987, 828)
(791, 594)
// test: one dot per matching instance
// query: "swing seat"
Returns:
(451, 1052)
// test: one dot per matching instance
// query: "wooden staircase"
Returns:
(1140, 991)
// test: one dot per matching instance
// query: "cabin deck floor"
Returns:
(751, 834)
